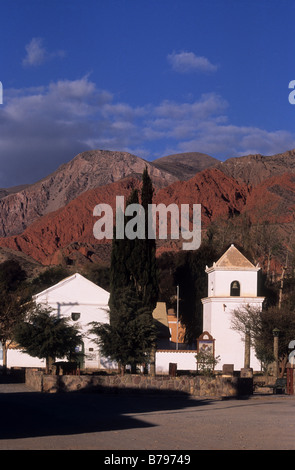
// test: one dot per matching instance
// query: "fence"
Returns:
(197, 386)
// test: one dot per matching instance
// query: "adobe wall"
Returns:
(196, 386)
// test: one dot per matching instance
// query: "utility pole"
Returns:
(177, 315)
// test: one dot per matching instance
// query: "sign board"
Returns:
(206, 343)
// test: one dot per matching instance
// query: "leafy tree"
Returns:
(122, 274)
(47, 336)
(260, 325)
(246, 320)
(12, 276)
(48, 278)
(14, 293)
(129, 339)
(133, 273)
(166, 266)
(133, 261)
(147, 273)
(206, 362)
(99, 274)
(284, 320)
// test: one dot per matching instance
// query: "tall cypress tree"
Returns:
(133, 270)
(148, 271)
(121, 274)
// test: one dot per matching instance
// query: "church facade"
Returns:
(232, 284)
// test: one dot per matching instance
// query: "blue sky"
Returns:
(151, 77)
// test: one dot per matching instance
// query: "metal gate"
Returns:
(290, 381)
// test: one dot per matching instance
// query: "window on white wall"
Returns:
(235, 289)
(75, 316)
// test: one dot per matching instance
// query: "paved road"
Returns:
(92, 421)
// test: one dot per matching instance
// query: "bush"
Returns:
(206, 362)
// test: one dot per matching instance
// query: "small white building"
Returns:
(232, 284)
(82, 302)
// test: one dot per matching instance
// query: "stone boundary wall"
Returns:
(218, 386)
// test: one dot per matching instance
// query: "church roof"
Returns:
(233, 259)
(75, 289)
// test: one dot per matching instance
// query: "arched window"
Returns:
(235, 289)
(75, 316)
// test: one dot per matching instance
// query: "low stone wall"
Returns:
(218, 386)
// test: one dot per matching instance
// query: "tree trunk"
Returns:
(153, 362)
(281, 287)
(121, 368)
(49, 363)
(283, 366)
(4, 349)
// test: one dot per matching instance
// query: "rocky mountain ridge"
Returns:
(86, 171)
(66, 235)
(254, 169)
(185, 165)
(52, 221)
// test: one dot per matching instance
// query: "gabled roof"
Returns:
(233, 259)
(80, 284)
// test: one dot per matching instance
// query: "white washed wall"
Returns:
(16, 358)
(185, 360)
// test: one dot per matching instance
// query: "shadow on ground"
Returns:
(32, 414)
(16, 376)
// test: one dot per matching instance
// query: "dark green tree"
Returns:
(48, 278)
(130, 338)
(122, 274)
(272, 318)
(14, 293)
(133, 274)
(147, 273)
(99, 274)
(45, 335)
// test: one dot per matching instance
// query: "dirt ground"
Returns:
(136, 422)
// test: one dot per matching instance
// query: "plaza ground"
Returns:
(96, 421)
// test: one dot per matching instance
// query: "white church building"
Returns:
(232, 284)
(82, 302)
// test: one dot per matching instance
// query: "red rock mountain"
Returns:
(52, 221)
(67, 234)
(88, 170)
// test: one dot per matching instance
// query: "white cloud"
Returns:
(36, 54)
(43, 127)
(231, 141)
(185, 62)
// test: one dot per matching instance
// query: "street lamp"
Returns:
(276, 333)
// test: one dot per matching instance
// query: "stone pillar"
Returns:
(247, 350)
(276, 333)
(246, 372)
